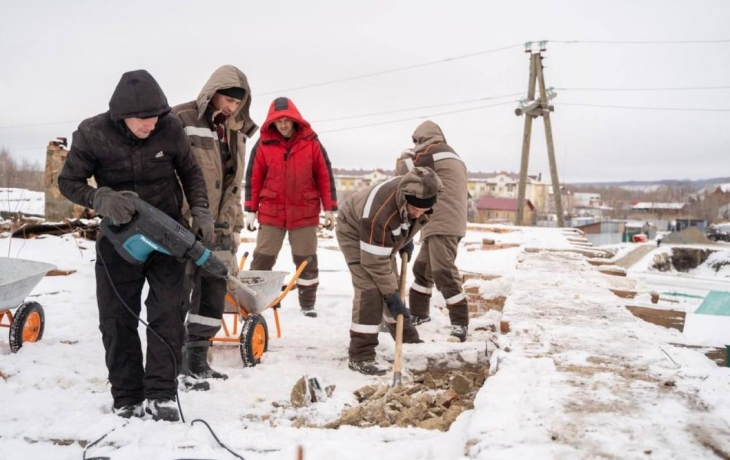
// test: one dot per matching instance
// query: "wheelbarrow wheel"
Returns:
(254, 340)
(27, 325)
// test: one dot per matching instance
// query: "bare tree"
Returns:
(23, 174)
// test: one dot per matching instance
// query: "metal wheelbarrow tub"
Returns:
(18, 277)
(266, 286)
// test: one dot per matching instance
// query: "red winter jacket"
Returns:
(286, 179)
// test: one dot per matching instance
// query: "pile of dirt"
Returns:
(690, 235)
(433, 401)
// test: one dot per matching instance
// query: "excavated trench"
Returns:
(682, 259)
(433, 401)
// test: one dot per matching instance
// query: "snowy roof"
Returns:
(650, 205)
(500, 204)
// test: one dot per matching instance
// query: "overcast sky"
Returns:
(60, 62)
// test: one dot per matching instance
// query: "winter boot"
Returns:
(129, 411)
(162, 409)
(368, 367)
(195, 354)
(410, 333)
(459, 331)
(187, 383)
(309, 312)
(418, 319)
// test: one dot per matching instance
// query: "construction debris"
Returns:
(310, 389)
(87, 229)
(433, 401)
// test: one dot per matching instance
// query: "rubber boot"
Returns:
(195, 355)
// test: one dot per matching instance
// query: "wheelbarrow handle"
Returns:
(292, 281)
(243, 261)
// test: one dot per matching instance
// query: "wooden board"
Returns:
(666, 318)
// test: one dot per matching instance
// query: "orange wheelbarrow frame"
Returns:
(257, 341)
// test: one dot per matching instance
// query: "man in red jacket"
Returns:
(288, 181)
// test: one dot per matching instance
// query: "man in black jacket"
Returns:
(135, 147)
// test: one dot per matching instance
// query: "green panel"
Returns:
(716, 303)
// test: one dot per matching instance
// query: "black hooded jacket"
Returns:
(103, 147)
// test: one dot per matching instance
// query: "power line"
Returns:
(373, 114)
(672, 109)
(685, 88)
(41, 124)
(417, 117)
(399, 69)
(638, 42)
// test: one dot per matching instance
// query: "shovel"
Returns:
(399, 323)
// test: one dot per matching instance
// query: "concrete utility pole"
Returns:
(532, 108)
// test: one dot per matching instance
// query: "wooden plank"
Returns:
(716, 354)
(667, 318)
(623, 293)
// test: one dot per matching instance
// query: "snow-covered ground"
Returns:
(22, 200)
(577, 376)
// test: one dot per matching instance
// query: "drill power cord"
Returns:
(174, 364)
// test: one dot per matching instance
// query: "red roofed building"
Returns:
(493, 209)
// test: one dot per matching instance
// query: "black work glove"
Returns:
(113, 204)
(407, 249)
(202, 223)
(397, 307)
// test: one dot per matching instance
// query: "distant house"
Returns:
(494, 209)
(653, 210)
(348, 181)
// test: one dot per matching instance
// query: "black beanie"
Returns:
(235, 92)
(422, 203)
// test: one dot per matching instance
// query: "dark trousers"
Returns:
(131, 380)
(436, 264)
(206, 304)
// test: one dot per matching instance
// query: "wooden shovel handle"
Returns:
(399, 319)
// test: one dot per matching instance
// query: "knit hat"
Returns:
(422, 203)
(235, 92)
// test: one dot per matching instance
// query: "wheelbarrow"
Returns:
(262, 289)
(18, 277)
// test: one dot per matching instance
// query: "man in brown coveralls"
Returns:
(373, 225)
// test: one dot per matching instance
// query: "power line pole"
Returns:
(532, 108)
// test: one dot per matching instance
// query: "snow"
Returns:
(577, 376)
(22, 200)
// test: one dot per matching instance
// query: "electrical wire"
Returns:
(373, 114)
(41, 124)
(146, 325)
(416, 117)
(397, 69)
(638, 42)
(216, 437)
(668, 109)
(174, 363)
(681, 88)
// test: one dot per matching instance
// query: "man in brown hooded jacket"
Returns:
(435, 263)
(217, 124)
(372, 226)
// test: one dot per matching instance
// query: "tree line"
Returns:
(22, 173)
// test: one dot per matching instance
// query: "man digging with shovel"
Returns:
(373, 225)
